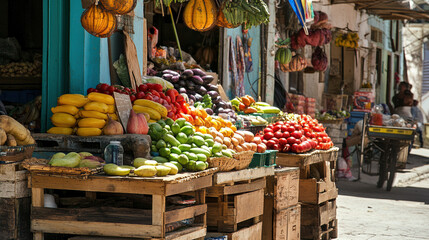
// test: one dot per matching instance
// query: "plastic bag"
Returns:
(122, 70)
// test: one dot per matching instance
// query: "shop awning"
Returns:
(387, 9)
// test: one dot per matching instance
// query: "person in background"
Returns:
(398, 99)
(418, 118)
(407, 102)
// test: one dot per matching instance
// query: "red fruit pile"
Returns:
(298, 136)
(170, 99)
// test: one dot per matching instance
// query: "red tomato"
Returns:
(268, 135)
(286, 148)
(276, 147)
(308, 134)
(264, 141)
(168, 99)
(280, 123)
(298, 141)
(155, 93)
(291, 140)
(143, 87)
(140, 95)
(278, 134)
(157, 87)
(284, 128)
(303, 139)
(306, 129)
(104, 87)
(296, 134)
(106, 92)
(270, 126)
(268, 130)
(294, 148)
(90, 90)
(270, 144)
(275, 139)
(282, 141)
(291, 129)
(286, 134)
(148, 97)
(132, 98)
(276, 128)
(180, 98)
(99, 86)
(325, 139)
(162, 95)
(320, 140)
(297, 127)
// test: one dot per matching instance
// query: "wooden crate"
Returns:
(253, 232)
(283, 188)
(282, 225)
(13, 181)
(15, 218)
(122, 222)
(319, 221)
(236, 199)
(135, 145)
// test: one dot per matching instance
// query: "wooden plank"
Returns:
(185, 213)
(308, 190)
(37, 200)
(286, 190)
(132, 61)
(123, 107)
(249, 205)
(14, 218)
(287, 224)
(95, 214)
(96, 228)
(12, 172)
(145, 54)
(98, 184)
(253, 232)
(242, 175)
(158, 211)
(215, 191)
(188, 233)
(200, 198)
(193, 185)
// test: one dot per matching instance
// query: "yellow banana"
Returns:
(155, 115)
(154, 105)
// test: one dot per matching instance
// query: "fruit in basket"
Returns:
(72, 159)
(115, 170)
(113, 127)
(145, 171)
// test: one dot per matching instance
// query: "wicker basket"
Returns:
(243, 159)
(16, 154)
(224, 164)
(35, 165)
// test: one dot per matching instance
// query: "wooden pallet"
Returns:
(306, 159)
(117, 222)
(15, 218)
(253, 232)
(135, 145)
(319, 221)
(236, 198)
(13, 180)
(282, 225)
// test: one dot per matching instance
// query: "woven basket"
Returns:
(243, 159)
(35, 165)
(16, 154)
(224, 164)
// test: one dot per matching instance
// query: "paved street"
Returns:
(366, 212)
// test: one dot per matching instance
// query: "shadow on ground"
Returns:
(358, 189)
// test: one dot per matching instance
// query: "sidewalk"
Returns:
(417, 169)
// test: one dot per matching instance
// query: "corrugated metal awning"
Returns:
(387, 9)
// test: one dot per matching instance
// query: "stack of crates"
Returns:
(353, 119)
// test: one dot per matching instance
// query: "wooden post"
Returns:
(200, 198)
(37, 200)
(270, 71)
(158, 211)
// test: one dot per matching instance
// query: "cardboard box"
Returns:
(363, 101)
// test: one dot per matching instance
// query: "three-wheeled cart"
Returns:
(385, 144)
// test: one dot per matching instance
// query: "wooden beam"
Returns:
(185, 213)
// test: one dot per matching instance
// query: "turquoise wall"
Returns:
(255, 34)
(73, 59)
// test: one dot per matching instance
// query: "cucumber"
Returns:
(200, 150)
(176, 150)
(172, 140)
(160, 159)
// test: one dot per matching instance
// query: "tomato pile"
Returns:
(299, 135)
(170, 99)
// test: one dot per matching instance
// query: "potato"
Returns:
(239, 138)
(227, 141)
(15, 128)
(235, 142)
(257, 140)
(239, 149)
(261, 148)
(248, 136)
(3, 136)
(219, 140)
(254, 146)
(220, 135)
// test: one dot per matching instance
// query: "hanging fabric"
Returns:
(240, 91)
(232, 67)
(247, 52)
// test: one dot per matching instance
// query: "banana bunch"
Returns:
(250, 12)
(155, 110)
(349, 40)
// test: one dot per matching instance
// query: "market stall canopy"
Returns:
(388, 9)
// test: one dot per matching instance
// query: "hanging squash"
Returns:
(119, 6)
(200, 15)
(98, 21)
(221, 20)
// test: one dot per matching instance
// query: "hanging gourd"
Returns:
(221, 20)
(119, 6)
(98, 21)
(200, 15)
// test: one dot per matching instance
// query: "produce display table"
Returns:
(137, 144)
(236, 203)
(133, 223)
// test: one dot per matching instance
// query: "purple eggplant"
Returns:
(174, 79)
(213, 94)
(228, 105)
(198, 97)
(199, 72)
(222, 104)
(217, 100)
(182, 83)
(187, 73)
(192, 97)
(167, 76)
(191, 85)
(211, 87)
(167, 71)
(209, 111)
(197, 80)
(207, 79)
(201, 90)
(182, 90)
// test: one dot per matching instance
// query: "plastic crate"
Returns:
(258, 160)
(270, 157)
